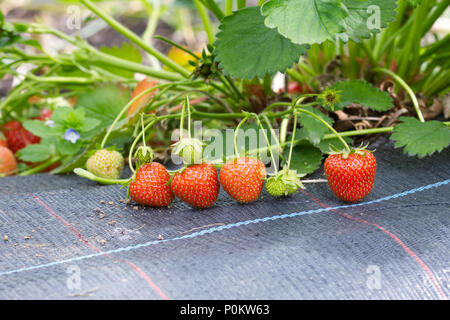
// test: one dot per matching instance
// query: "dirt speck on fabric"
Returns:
(27, 237)
(160, 237)
(5, 238)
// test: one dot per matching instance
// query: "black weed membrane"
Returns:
(68, 238)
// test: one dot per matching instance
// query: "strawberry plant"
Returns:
(338, 51)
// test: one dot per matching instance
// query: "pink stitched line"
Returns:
(86, 242)
(422, 264)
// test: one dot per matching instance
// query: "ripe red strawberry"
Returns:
(243, 178)
(351, 179)
(8, 164)
(197, 185)
(151, 186)
(3, 142)
(17, 136)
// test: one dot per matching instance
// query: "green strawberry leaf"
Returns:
(314, 129)
(68, 148)
(363, 93)
(35, 153)
(305, 158)
(314, 21)
(89, 124)
(421, 138)
(103, 103)
(246, 48)
(40, 129)
(367, 17)
(305, 21)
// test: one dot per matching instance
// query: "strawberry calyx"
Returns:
(189, 149)
(361, 150)
(284, 183)
(144, 155)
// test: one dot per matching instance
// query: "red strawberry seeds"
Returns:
(151, 186)
(243, 178)
(351, 179)
(198, 185)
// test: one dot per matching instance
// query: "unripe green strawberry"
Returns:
(284, 183)
(243, 178)
(106, 164)
(351, 176)
(275, 187)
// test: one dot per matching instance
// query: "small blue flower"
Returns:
(50, 123)
(71, 135)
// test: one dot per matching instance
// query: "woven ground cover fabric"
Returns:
(308, 246)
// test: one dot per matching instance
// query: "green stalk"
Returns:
(328, 126)
(409, 52)
(189, 116)
(40, 167)
(228, 7)
(138, 137)
(86, 174)
(135, 38)
(406, 87)
(154, 11)
(126, 107)
(214, 8)
(267, 142)
(142, 125)
(326, 137)
(236, 131)
(79, 80)
(294, 74)
(368, 52)
(205, 19)
(102, 57)
(241, 4)
(292, 141)
(436, 14)
(267, 121)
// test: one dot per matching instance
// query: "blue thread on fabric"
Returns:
(228, 226)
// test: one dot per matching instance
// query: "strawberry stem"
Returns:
(183, 110)
(88, 175)
(292, 141)
(189, 116)
(126, 107)
(258, 120)
(143, 134)
(328, 126)
(40, 167)
(236, 131)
